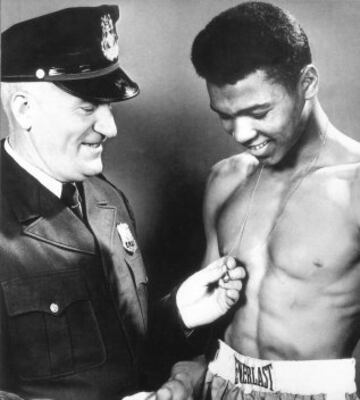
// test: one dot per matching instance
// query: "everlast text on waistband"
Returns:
(260, 376)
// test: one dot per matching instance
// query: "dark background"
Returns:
(167, 137)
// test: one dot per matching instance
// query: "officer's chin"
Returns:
(93, 170)
(88, 171)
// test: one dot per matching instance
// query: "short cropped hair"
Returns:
(249, 37)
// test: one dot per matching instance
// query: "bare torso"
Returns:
(300, 247)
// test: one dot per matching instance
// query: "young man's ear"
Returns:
(21, 109)
(309, 81)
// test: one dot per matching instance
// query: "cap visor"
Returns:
(115, 86)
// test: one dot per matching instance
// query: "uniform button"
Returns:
(40, 73)
(54, 308)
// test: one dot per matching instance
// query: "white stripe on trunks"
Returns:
(333, 377)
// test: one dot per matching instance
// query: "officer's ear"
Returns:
(308, 82)
(20, 104)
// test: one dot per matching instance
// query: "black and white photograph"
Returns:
(180, 200)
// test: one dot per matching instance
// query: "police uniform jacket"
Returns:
(73, 300)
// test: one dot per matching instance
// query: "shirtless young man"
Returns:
(288, 208)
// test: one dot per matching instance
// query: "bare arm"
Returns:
(210, 293)
(224, 180)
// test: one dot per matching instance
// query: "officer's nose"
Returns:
(243, 130)
(105, 123)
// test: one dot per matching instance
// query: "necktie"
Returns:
(71, 197)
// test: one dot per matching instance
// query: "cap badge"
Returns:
(109, 45)
(127, 238)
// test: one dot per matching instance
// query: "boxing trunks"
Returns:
(233, 376)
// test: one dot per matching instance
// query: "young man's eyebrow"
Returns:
(255, 107)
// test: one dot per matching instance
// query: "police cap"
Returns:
(75, 48)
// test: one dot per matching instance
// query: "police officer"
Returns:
(73, 301)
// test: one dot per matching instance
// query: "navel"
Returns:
(318, 264)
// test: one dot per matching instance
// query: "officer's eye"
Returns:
(260, 115)
(88, 108)
(225, 117)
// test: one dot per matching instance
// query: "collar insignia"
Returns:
(109, 42)
(127, 238)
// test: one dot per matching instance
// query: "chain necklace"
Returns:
(238, 240)
(295, 182)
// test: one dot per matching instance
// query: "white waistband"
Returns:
(333, 377)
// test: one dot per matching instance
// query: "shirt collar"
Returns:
(49, 182)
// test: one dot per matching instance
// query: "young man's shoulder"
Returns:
(344, 149)
(227, 176)
(343, 171)
(235, 168)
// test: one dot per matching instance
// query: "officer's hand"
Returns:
(139, 396)
(173, 389)
(185, 382)
(210, 293)
(9, 396)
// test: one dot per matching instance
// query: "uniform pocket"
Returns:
(52, 324)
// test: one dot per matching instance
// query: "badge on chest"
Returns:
(127, 238)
